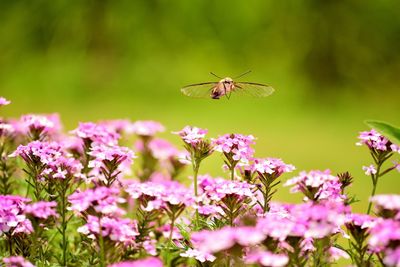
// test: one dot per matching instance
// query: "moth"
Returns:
(225, 87)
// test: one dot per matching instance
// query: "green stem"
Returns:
(374, 184)
(196, 167)
(64, 223)
(101, 244)
(172, 229)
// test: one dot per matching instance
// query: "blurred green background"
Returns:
(333, 64)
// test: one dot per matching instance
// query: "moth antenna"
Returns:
(241, 75)
(213, 74)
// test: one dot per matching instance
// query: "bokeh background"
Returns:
(333, 64)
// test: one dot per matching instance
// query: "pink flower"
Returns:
(266, 258)
(4, 102)
(218, 188)
(387, 205)
(369, 170)
(360, 221)
(383, 234)
(198, 255)
(12, 215)
(270, 166)
(16, 261)
(395, 148)
(160, 149)
(39, 125)
(152, 261)
(225, 238)
(91, 132)
(116, 229)
(146, 128)
(42, 209)
(376, 141)
(236, 147)
(335, 254)
(110, 161)
(50, 156)
(6, 129)
(161, 195)
(192, 135)
(308, 220)
(101, 200)
(317, 185)
(392, 257)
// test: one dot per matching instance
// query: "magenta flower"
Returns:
(108, 162)
(152, 261)
(235, 147)
(317, 185)
(384, 235)
(198, 255)
(266, 258)
(4, 102)
(91, 132)
(100, 200)
(369, 169)
(192, 135)
(50, 156)
(160, 149)
(388, 206)
(146, 128)
(225, 238)
(376, 141)
(360, 221)
(392, 257)
(40, 126)
(270, 166)
(119, 230)
(217, 189)
(42, 209)
(12, 215)
(16, 261)
(307, 220)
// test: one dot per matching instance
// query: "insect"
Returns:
(225, 87)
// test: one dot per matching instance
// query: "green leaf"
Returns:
(385, 128)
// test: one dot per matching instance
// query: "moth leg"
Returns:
(226, 93)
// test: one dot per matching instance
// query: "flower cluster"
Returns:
(269, 167)
(376, 141)
(235, 147)
(39, 127)
(42, 209)
(48, 159)
(388, 206)
(317, 185)
(192, 135)
(146, 128)
(12, 215)
(101, 200)
(119, 230)
(91, 132)
(108, 162)
(224, 199)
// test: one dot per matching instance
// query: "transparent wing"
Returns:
(253, 89)
(199, 90)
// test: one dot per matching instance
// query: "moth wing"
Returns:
(253, 89)
(199, 90)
